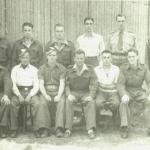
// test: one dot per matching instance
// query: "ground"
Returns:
(107, 139)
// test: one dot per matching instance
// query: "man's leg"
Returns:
(59, 123)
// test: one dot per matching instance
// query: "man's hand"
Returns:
(27, 99)
(21, 99)
(88, 99)
(125, 99)
(71, 98)
(47, 97)
(5, 100)
(57, 98)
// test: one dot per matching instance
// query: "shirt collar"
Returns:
(89, 35)
(56, 65)
(84, 68)
(23, 40)
(101, 65)
(62, 41)
(138, 66)
(28, 66)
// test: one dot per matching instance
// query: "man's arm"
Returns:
(101, 44)
(40, 54)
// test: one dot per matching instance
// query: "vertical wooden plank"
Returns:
(2, 17)
(104, 13)
(57, 14)
(137, 21)
(75, 12)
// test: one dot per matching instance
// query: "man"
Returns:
(25, 88)
(121, 41)
(107, 98)
(80, 89)
(130, 81)
(5, 100)
(28, 43)
(91, 43)
(5, 50)
(52, 84)
(147, 53)
(65, 49)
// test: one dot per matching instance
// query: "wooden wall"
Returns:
(44, 14)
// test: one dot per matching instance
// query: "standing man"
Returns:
(52, 84)
(28, 43)
(80, 89)
(65, 49)
(5, 51)
(130, 82)
(25, 88)
(91, 43)
(5, 100)
(107, 97)
(121, 41)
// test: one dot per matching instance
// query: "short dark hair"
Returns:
(106, 51)
(134, 51)
(79, 51)
(29, 24)
(58, 25)
(88, 18)
(120, 15)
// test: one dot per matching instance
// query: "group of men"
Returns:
(63, 77)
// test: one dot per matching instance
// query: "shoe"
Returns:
(59, 132)
(13, 134)
(3, 132)
(37, 134)
(91, 134)
(67, 133)
(44, 133)
(124, 132)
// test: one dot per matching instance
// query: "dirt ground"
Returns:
(107, 139)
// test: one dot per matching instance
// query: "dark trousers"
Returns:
(88, 108)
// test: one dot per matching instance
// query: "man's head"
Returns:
(89, 22)
(24, 57)
(106, 57)
(59, 31)
(27, 29)
(51, 55)
(121, 19)
(79, 57)
(133, 57)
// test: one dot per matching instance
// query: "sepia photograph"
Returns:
(74, 74)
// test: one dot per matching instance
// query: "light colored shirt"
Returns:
(92, 45)
(25, 77)
(129, 41)
(107, 80)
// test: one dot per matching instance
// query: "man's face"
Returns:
(132, 58)
(52, 57)
(106, 58)
(27, 32)
(59, 32)
(121, 22)
(25, 59)
(79, 59)
(89, 25)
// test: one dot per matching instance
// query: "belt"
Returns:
(120, 54)
(26, 88)
(51, 88)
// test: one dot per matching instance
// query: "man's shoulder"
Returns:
(33, 68)
(124, 66)
(131, 34)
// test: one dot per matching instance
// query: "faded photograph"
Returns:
(74, 74)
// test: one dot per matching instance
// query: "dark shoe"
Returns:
(91, 134)
(44, 133)
(37, 134)
(13, 134)
(124, 132)
(59, 132)
(67, 133)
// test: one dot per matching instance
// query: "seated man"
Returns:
(131, 78)
(107, 96)
(5, 95)
(25, 88)
(80, 88)
(52, 84)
